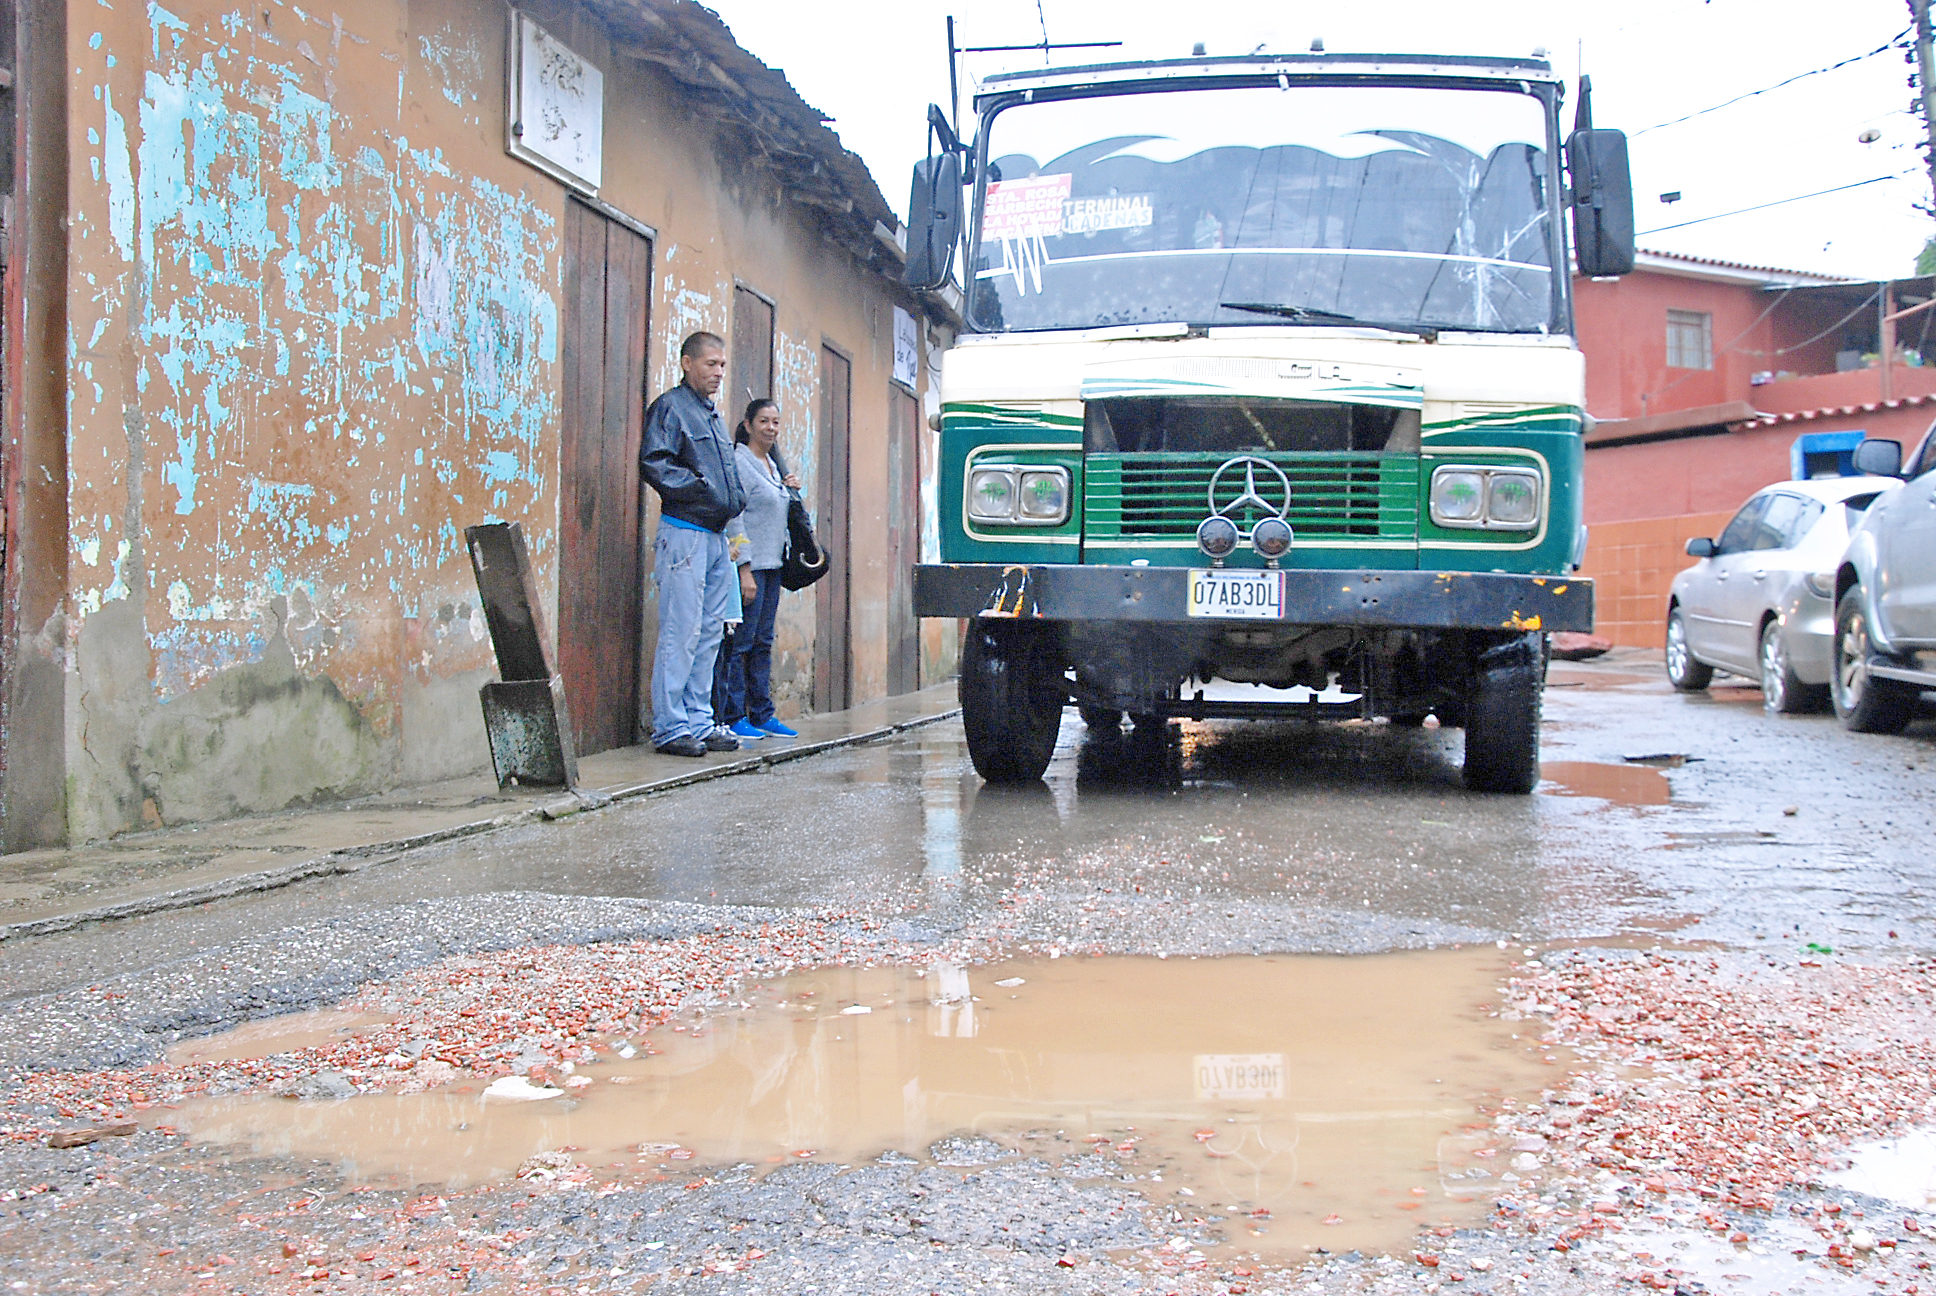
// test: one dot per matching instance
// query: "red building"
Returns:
(1707, 381)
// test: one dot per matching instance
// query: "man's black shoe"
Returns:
(683, 745)
(720, 740)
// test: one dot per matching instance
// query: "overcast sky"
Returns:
(874, 65)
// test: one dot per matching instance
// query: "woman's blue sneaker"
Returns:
(773, 728)
(744, 728)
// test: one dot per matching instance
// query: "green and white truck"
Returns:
(1266, 377)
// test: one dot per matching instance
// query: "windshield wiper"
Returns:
(1290, 312)
(1307, 313)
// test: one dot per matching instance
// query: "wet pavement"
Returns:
(1695, 823)
(1239, 837)
(166, 870)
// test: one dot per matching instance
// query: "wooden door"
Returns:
(903, 539)
(608, 279)
(832, 669)
(750, 362)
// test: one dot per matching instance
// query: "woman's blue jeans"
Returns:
(743, 683)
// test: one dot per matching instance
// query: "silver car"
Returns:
(1885, 605)
(1761, 602)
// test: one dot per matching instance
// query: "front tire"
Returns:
(1782, 691)
(1012, 693)
(1502, 719)
(1683, 671)
(1864, 703)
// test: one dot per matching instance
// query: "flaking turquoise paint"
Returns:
(296, 275)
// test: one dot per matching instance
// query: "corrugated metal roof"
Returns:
(1839, 411)
(1738, 269)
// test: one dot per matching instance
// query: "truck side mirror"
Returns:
(934, 220)
(1603, 210)
(1879, 458)
(1700, 547)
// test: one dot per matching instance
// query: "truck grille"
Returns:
(1334, 496)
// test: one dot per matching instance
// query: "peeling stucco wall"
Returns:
(313, 332)
(313, 329)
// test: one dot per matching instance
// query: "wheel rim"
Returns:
(1852, 664)
(1677, 655)
(1774, 669)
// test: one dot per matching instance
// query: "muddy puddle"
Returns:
(1784, 1259)
(316, 1029)
(1301, 1101)
(1900, 1170)
(1631, 785)
(1599, 679)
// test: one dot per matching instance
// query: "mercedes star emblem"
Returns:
(1250, 496)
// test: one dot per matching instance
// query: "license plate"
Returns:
(1240, 1075)
(1246, 594)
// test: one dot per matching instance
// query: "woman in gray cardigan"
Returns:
(743, 691)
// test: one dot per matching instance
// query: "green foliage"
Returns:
(1926, 259)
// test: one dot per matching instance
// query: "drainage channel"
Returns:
(1297, 1102)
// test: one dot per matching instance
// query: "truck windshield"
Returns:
(1382, 205)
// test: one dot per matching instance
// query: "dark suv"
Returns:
(1885, 595)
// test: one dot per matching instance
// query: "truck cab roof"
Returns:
(1252, 68)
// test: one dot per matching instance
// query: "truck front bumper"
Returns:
(1348, 596)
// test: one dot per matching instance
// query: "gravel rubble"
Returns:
(1702, 1100)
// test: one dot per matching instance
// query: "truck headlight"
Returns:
(1272, 538)
(1505, 499)
(1512, 499)
(1217, 536)
(1045, 495)
(1020, 494)
(991, 494)
(1458, 497)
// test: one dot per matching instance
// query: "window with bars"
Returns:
(1690, 340)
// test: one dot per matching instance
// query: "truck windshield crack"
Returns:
(1352, 202)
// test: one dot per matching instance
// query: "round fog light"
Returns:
(1217, 536)
(1271, 537)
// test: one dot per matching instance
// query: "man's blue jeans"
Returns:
(698, 595)
(743, 682)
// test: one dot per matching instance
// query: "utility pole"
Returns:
(1926, 85)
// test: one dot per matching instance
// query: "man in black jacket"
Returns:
(687, 456)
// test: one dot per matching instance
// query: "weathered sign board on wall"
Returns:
(557, 107)
(907, 349)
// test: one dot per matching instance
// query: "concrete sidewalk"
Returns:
(52, 890)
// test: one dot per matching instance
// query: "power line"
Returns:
(1866, 303)
(1734, 347)
(1802, 76)
(1779, 202)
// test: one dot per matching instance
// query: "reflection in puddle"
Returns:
(1277, 1091)
(1620, 784)
(1901, 1170)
